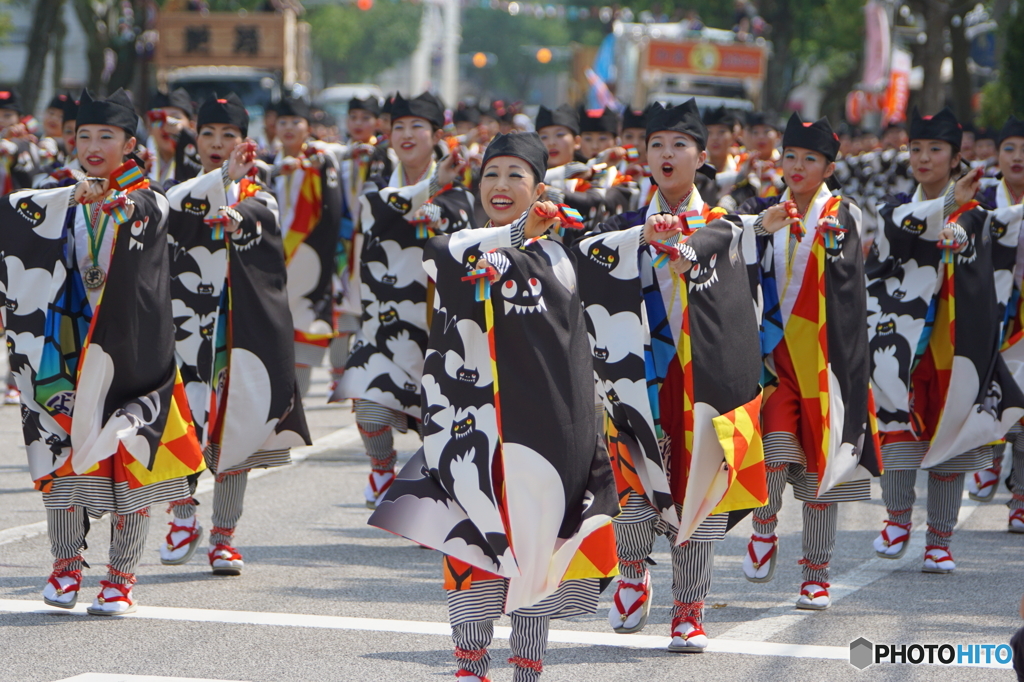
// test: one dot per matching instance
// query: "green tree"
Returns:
(1013, 60)
(506, 36)
(354, 44)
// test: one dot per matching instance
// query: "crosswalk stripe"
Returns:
(725, 646)
(114, 677)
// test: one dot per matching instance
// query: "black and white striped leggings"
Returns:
(528, 644)
(68, 527)
(820, 525)
(377, 425)
(228, 497)
(1017, 473)
(945, 492)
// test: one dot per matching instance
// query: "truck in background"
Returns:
(669, 63)
(257, 55)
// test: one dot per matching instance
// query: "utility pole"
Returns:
(450, 52)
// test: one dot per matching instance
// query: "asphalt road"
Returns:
(324, 597)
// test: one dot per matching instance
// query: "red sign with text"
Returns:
(707, 59)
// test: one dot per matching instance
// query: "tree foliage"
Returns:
(1013, 61)
(354, 44)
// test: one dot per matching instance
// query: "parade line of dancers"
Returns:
(603, 331)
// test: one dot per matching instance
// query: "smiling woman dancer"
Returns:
(943, 390)
(89, 323)
(529, 494)
(234, 329)
(811, 268)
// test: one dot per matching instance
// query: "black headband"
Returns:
(424, 105)
(370, 104)
(525, 146)
(635, 119)
(228, 110)
(942, 126)
(1013, 127)
(606, 121)
(682, 118)
(116, 110)
(293, 106)
(178, 98)
(817, 136)
(564, 115)
(10, 99)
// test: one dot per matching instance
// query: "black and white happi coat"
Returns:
(234, 338)
(904, 274)
(1004, 225)
(635, 320)
(510, 478)
(386, 361)
(104, 417)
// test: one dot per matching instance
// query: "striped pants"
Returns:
(228, 496)
(945, 491)
(784, 463)
(528, 644)
(692, 562)
(1017, 473)
(377, 425)
(945, 486)
(68, 527)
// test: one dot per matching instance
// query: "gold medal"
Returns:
(94, 277)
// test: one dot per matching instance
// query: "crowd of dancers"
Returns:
(603, 329)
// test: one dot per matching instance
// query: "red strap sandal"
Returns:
(937, 554)
(887, 541)
(232, 556)
(193, 535)
(811, 590)
(124, 595)
(642, 602)
(54, 580)
(1018, 516)
(687, 647)
(986, 490)
(767, 558)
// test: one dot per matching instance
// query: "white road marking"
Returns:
(114, 677)
(725, 646)
(784, 614)
(336, 440)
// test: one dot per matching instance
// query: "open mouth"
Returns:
(552, 153)
(407, 145)
(667, 169)
(701, 286)
(216, 158)
(502, 203)
(521, 309)
(94, 160)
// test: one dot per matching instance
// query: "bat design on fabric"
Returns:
(393, 328)
(31, 212)
(913, 225)
(407, 394)
(195, 206)
(891, 360)
(699, 277)
(523, 297)
(997, 228)
(360, 355)
(399, 203)
(603, 255)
